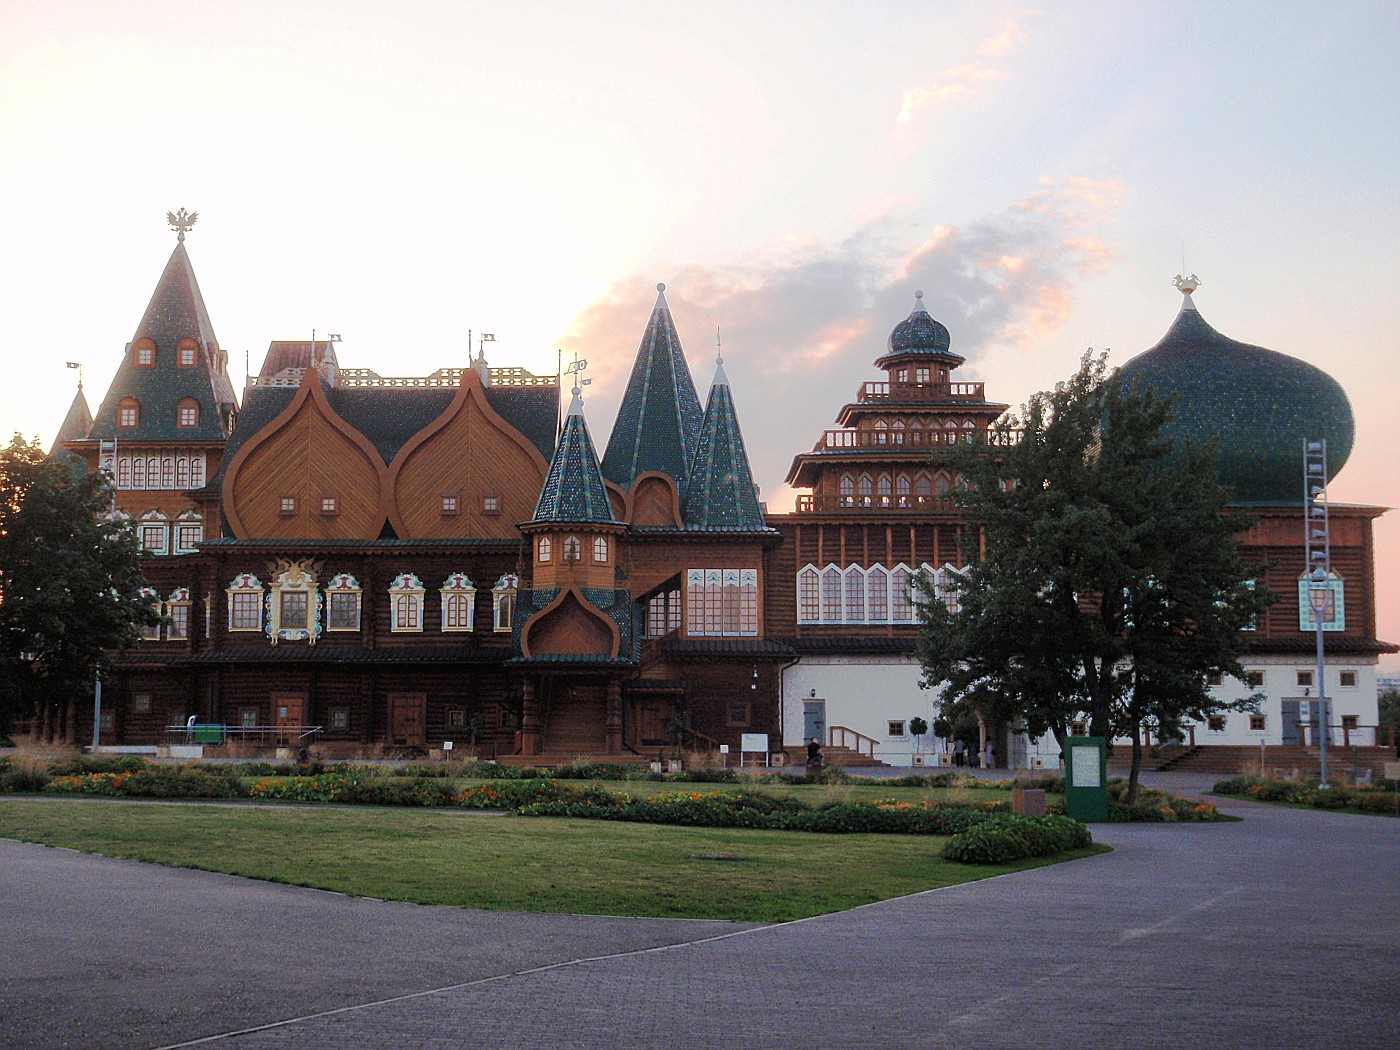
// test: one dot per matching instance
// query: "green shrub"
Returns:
(76, 766)
(22, 776)
(499, 771)
(319, 787)
(150, 782)
(1004, 839)
(399, 791)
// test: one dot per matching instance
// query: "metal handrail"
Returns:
(245, 732)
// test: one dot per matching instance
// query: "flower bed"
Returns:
(1381, 799)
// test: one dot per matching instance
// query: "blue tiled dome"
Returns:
(1258, 405)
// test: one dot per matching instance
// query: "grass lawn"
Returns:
(476, 860)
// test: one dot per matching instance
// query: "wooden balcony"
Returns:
(887, 391)
(899, 439)
(809, 504)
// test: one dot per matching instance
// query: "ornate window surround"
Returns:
(343, 593)
(503, 602)
(458, 603)
(406, 604)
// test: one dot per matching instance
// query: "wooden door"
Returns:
(288, 715)
(656, 721)
(407, 718)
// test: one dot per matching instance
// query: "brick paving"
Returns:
(1280, 931)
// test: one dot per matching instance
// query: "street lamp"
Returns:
(1319, 599)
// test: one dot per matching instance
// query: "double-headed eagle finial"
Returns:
(182, 221)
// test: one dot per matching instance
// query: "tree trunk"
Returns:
(1136, 767)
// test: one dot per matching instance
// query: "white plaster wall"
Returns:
(866, 693)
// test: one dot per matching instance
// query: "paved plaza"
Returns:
(1280, 931)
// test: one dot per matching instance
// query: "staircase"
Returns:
(835, 755)
(1285, 759)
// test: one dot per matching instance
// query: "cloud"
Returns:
(801, 324)
(963, 81)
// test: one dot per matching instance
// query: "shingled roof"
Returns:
(720, 492)
(176, 312)
(658, 425)
(574, 489)
(76, 425)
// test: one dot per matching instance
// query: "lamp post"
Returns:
(1319, 598)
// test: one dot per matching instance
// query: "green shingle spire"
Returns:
(721, 492)
(574, 490)
(659, 422)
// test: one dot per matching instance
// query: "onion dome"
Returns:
(1258, 405)
(918, 335)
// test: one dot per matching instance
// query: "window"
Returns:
(141, 703)
(107, 720)
(573, 550)
(1305, 678)
(542, 550)
(187, 354)
(808, 596)
(128, 412)
(458, 603)
(848, 490)
(1254, 679)
(1258, 723)
(343, 603)
(188, 413)
(456, 718)
(1079, 729)
(1216, 723)
(177, 610)
(1215, 678)
(188, 535)
(1350, 721)
(600, 549)
(896, 729)
(450, 504)
(1348, 680)
(663, 613)
(946, 582)
(722, 602)
(490, 504)
(293, 611)
(406, 603)
(503, 602)
(144, 353)
(738, 714)
(153, 536)
(295, 606)
(248, 717)
(287, 505)
(340, 717)
(921, 374)
(151, 634)
(330, 506)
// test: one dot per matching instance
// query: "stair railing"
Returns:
(844, 736)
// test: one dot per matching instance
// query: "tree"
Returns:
(1104, 577)
(70, 581)
(1388, 704)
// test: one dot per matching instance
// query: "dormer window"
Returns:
(189, 413)
(128, 412)
(543, 550)
(573, 550)
(187, 354)
(144, 353)
(600, 549)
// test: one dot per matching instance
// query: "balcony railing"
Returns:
(898, 438)
(808, 504)
(884, 390)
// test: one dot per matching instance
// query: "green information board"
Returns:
(1086, 778)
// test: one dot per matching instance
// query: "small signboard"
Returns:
(447, 745)
(754, 742)
(1086, 778)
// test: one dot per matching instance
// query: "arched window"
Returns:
(143, 353)
(809, 608)
(503, 602)
(153, 472)
(855, 595)
(182, 472)
(922, 486)
(848, 491)
(573, 549)
(124, 472)
(406, 603)
(831, 594)
(600, 549)
(458, 603)
(877, 590)
(881, 432)
(898, 431)
(188, 413)
(128, 412)
(542, 550)
(901, 595)
(138, 472)
(941, 484)
(864, 488)
(187, 353)
(901, 490)
(167, 472)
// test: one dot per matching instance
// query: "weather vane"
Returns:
(1186, 285)
(576, 370)
(182, 221)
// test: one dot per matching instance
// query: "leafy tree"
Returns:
(1104, 574)
(70, 581)
(1389, 704)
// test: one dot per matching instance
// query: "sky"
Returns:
(411, 174)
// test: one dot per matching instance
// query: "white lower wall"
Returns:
(867, 693)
